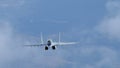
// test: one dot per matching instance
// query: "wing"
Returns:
(65, 43)
(36, 45)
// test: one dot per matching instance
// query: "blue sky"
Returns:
(57, 14)
(94, 24)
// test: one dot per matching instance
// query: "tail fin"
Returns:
(41, 38)
(59, 37)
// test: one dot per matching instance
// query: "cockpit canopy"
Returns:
(49, 42)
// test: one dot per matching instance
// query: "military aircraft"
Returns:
(51, 44)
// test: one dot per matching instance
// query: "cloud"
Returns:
(99, 57)
(13, 54)
(7, 52)
(11, 3)
(54, 21)
(110, 26)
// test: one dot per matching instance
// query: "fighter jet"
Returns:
(51, 44)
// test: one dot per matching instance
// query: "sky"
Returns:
(95, 24)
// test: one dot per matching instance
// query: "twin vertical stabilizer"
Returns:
(59, 37)
(42, 39)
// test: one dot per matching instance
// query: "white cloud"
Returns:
(12, 52)
(106, 57)
(6, 40)
(109, 58)
(55, 21)
(113, 6)
(110, 26)
(11, 3)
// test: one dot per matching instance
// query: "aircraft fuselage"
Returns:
(49, 42)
